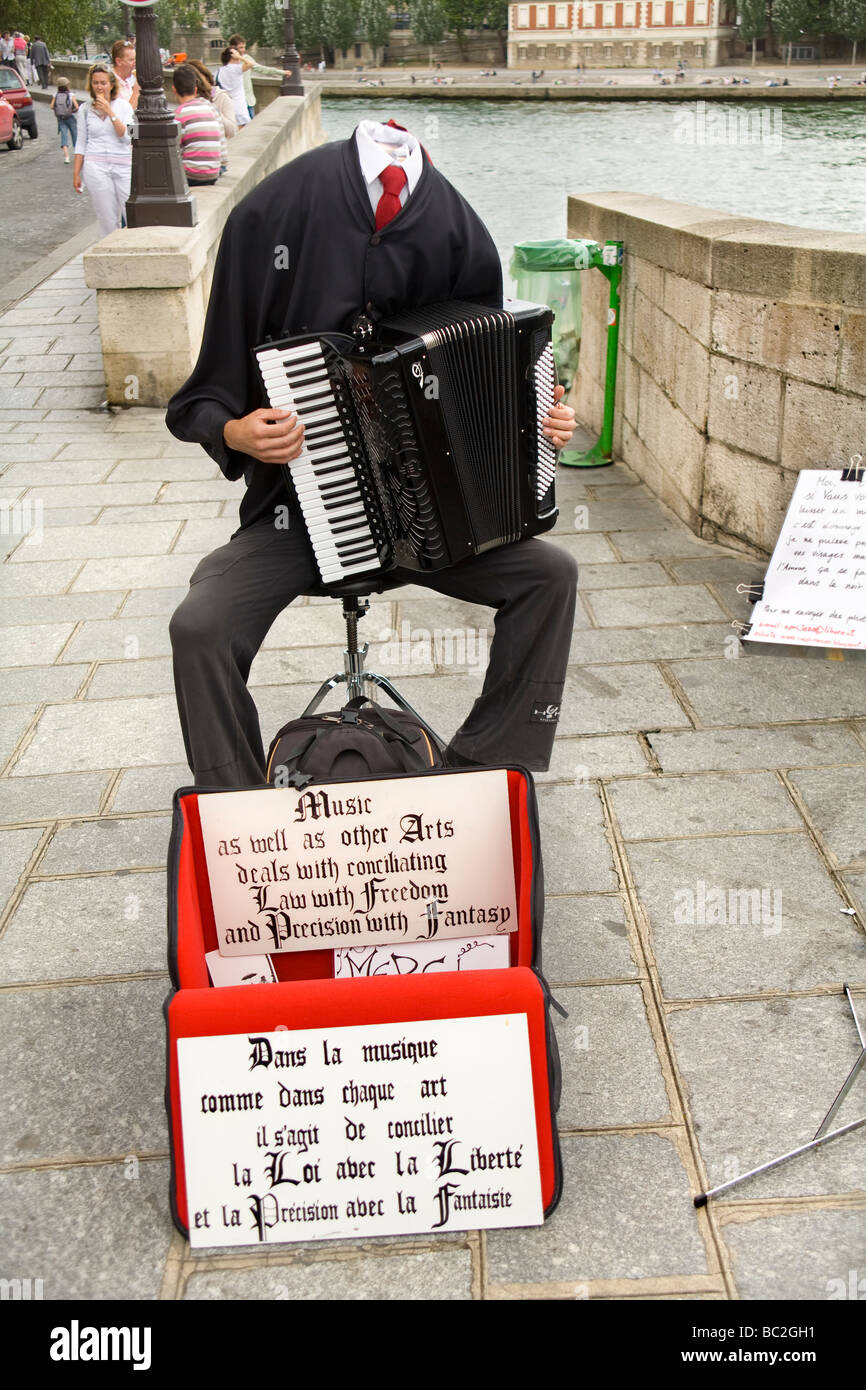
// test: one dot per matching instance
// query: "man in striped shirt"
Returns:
(200, 130)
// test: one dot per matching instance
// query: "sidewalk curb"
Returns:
(21, 285)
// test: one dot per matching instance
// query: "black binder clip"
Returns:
(298, 779)
(854, 473)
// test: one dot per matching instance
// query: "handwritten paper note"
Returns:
(423, 957)
(383, 1129)
(360, 864)
(815, 586)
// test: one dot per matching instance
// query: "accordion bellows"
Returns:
(424, 447)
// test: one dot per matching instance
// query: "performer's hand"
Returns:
(559, 423)
(273, 436)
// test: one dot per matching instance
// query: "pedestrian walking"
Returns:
(7, 49)
(65, 108)
(19, 44)
(103, 148)
(41, 60)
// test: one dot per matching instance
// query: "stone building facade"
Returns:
(621, 33)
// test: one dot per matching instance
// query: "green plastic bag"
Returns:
(546, 273)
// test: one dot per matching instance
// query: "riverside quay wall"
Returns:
(152, 283)
(742, 357)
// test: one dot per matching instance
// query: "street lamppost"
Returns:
(160, 195)
(291, 85)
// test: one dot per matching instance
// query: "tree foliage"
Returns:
(463, 16)
(754, 18)
(847, 18)
(375, 21)
(428, 21)
(61, 23)
(340, 22)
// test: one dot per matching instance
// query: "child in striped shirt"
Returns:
(200, 132)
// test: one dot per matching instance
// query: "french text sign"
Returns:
(369, 863)
(815, 586)
(384, 1129)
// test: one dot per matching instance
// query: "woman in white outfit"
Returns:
(231, 79)
(103, 148)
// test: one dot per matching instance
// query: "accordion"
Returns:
(424, 445)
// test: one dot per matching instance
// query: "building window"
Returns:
(588, 16)
(542, 50)
(680, 12)
(561, 52)
(609, 14)
(698, 50)
(659, 7)
(626, 52)
(607, 52)
(628, 14)
(587, 52)
(562, 16)
(700, 11)
(657, 52)
(523, 16)
(521, 52)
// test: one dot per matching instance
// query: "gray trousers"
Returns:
(237, 592)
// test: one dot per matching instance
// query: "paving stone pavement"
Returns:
(703, 827)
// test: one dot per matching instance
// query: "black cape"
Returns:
(301, 254)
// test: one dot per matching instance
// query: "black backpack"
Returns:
(360, 740)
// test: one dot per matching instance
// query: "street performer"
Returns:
(364, 226)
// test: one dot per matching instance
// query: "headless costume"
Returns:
(301, 254)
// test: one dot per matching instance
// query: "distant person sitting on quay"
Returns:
(65, 108)
(231, 79)
(103, 148)
(200, 129)
(123, 67)
(248, 67)
(41, 60)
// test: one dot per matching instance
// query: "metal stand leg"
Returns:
(359, 682)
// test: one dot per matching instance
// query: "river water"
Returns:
(517, 162)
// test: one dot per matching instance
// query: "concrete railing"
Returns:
(742, 356)
(152, 283)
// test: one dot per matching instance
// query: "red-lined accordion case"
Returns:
(307, 996)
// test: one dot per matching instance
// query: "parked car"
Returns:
(11, 134)
(14, 89)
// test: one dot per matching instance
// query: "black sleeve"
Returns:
(222, 386)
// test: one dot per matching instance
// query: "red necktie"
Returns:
(393, 178)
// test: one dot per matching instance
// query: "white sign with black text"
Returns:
(381, 1129)
(397, 860)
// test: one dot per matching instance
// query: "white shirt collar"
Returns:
(374, 158)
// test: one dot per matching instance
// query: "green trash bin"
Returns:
(548, 272)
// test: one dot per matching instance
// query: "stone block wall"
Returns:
(153, 283)
(742, 356)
